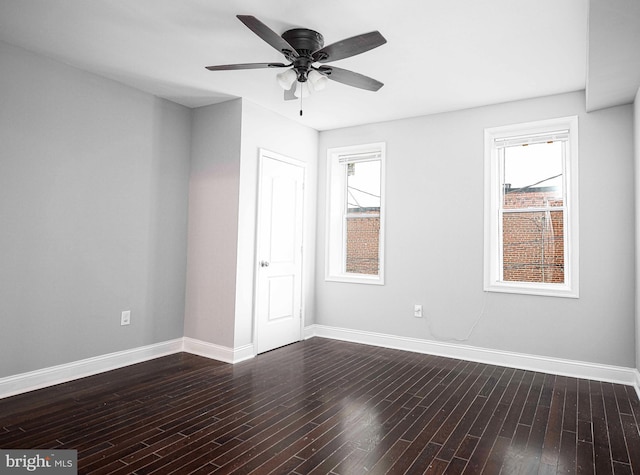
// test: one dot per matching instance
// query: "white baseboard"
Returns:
(637, 383)
(576, 369)
(217, 352)
(41, 378)
(24, 382)
(309, 332)
(30, 381)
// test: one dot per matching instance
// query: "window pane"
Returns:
(363, 233)
(533, 246)
(363, 217)
(532, 176)
(363, 186)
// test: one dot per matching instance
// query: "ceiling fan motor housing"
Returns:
(306, 42)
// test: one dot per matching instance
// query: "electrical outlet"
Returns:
(125, 318)
(417, 311)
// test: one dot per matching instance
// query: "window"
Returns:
(531, 208)
(355, 218)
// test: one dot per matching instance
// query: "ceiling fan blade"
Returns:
(231, 67)
(349, 47)
(350, 78)
(289, 94)
(268, 35)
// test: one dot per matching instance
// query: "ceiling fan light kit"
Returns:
(314, 82)
(302, 48)
(319, 81)
(286, 79)
(302, 90)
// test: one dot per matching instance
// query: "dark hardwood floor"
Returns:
(329, 407)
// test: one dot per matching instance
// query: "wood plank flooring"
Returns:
(329, 407)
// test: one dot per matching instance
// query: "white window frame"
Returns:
(335, 249)
(493, 265)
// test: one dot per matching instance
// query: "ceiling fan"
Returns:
(302, 48)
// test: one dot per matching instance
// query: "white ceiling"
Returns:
(441, 55)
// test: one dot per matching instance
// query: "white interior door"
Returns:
(279, 253)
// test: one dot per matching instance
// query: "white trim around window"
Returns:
(497, 138)
(335, 249)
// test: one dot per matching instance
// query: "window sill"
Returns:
(545, 290)
(356, 279)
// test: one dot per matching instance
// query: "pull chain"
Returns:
(301, 99)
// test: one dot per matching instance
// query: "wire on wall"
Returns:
(439, 337)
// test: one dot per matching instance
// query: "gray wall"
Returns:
(93, 200)
(94, 185)
(214, 189)
(434, 239)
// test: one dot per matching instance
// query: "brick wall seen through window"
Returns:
(533, 242)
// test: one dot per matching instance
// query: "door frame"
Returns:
(263, 154)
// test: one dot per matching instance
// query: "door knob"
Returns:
(264, 264)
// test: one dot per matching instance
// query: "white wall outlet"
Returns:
(125, 318)
(417, 311)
